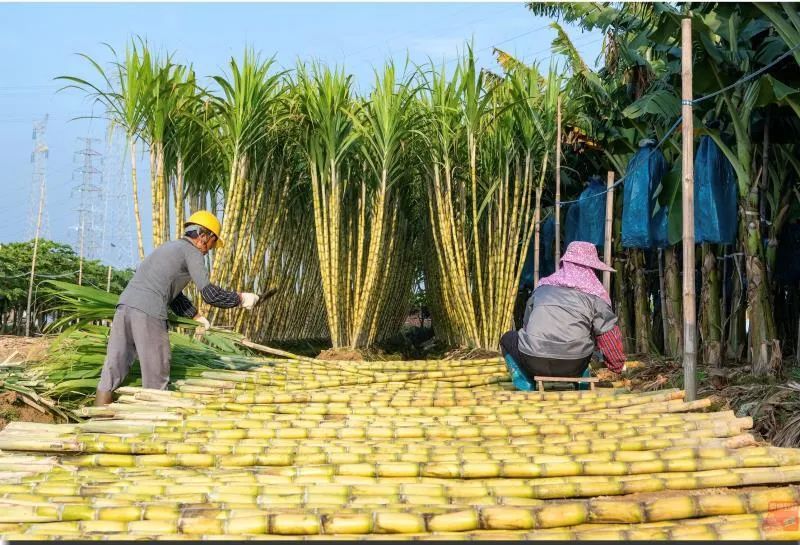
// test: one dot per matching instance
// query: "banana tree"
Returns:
(735, 138)
(604, 111)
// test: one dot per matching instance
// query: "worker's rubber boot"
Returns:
(519, 379)
(103, 398)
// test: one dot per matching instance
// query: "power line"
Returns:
(526, 33)
(13, 87)
(395, 36)
(740, 81)
(38, 275)
(529, 56)
(487, 48)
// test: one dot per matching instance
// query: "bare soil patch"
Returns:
(15, 349)
(14, 408)
(341, 354)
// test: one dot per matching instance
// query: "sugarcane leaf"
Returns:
(78, 384)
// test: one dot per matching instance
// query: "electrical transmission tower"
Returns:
(39, 157)
(39, 160)
(118, 230)
(90, 210)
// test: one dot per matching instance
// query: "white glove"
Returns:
(204, 326)
(248, 300)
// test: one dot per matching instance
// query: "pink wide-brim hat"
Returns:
(584, 253)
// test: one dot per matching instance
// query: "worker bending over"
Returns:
(140, 326)
(567, 314)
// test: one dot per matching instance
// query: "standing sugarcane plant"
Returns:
(324, 103)
(486, 161)
(184, 142)
(357, 160)
(246, 113)
(168, 86)
(385, 124)
(124, 91)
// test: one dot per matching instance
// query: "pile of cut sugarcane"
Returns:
(434, 449)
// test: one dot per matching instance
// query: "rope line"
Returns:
(622, 179)
(747, 77)
(674, 126)
(27, 275)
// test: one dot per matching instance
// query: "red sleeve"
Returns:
(610, 344)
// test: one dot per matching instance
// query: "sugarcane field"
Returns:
(495, 271)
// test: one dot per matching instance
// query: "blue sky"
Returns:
(39, 42)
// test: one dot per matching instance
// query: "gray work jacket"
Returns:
(163, 275)
(561, 323)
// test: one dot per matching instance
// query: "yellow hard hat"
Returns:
(206, 219)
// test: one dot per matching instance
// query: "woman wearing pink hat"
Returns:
(568, 314)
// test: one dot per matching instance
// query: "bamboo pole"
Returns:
(557, 210)
(33, 258)
(80, 251)
(689, 315)
(609, 226)
(537, 215)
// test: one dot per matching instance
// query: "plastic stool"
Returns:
(518, 378)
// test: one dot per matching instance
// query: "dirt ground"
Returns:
(13, 407)
(15, 349)
(340, 354)
(20, 350)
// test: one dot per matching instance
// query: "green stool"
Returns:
(586, 374)
(518, 378)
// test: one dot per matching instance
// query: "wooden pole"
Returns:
(33, 259)
(609, 227)
(80, 252)
(108, 280)
(537, 216)
(557, 210)
(689, 313)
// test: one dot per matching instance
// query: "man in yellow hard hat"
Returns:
(140, 321)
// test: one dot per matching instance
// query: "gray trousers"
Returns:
(134, 333)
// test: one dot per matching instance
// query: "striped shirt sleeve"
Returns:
(182, 306)
(218, 297)
(610, 344)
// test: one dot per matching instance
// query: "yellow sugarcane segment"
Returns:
(402, 449)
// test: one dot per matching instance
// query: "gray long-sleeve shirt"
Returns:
(561, 323)
(161, 277)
